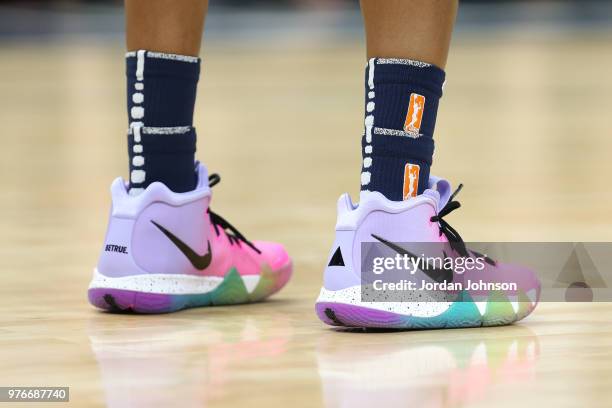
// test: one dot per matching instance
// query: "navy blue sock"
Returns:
(401, 108)
(161, 93)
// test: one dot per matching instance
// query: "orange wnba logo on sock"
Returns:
(411, 180)
(415, 114)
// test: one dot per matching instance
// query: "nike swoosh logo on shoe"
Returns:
(200, 262)
(438, 274)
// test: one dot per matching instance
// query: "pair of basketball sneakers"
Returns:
(166, 251)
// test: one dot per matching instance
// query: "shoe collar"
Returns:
(127, 206)
(351, 214)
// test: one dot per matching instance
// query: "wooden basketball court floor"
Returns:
(525, 124)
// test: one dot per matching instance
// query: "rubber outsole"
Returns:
(460, 314)
(231, 291)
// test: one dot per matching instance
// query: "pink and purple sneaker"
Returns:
(167, 251)
(351, 298)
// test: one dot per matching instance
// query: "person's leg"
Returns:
(407, 43)
(164, 248)
(162, 67)
(407, 47)
(412, 29)
(169, 26)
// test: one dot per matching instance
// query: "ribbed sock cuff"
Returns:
(162, 88)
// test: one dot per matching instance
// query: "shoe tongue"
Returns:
(442, 187)
(202, 174)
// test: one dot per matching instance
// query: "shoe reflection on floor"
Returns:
(165, 361)
(448, 368)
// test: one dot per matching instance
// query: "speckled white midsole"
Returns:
(352, 296)
(168, 284)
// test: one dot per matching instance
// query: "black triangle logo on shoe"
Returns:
(337, 259)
